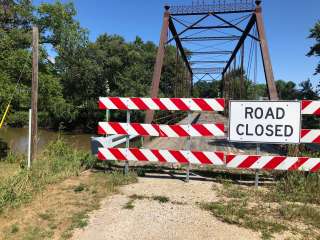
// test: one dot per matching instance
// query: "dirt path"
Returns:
(179, 218)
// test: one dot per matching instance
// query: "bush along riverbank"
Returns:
(3, 149)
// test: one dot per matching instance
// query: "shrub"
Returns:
(3, 149)
(18, 119)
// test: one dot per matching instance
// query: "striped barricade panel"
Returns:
(273, 162)
(156, 130)
(162, 156)
(310, 136)
(171, 104)
(310, 107)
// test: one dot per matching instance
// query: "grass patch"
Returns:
(14, 229)
(56, 163)
(271, 210)
(8, 170)
(161, 199)
(178, 203)
(238, 212)
(79, 220)
(306, 213)
(33, 233)
(48, 216)
(80, 188)
(129, 204)
(231, 191)
(52, 190)
(134, 197)
(297, 187)
(137, 197)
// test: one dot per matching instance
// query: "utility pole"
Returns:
(34, 97)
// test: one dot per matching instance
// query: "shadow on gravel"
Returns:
(214, 175)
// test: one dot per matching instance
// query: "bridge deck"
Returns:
(209, 143)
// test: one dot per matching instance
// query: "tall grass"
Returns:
(56, 163)
(299, 186)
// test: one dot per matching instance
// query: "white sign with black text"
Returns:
(265, 121)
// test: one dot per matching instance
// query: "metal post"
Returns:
(188, 147)
(126, 166)
(242, 73)
(34, 97)
(107, 115)
(267, 66)
(256, 181)
(29, 140)
(159, 62)
(107, 163)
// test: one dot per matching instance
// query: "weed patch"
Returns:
(306, 213)
(48, 216)
(14, 229)
(137, 197)
(161, 199)
(129, 204)
(238, 212)
(80, 188)
(297, 187)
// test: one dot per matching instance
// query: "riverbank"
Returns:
(17, 139)
(53, 198)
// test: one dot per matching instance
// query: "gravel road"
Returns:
(180, 218)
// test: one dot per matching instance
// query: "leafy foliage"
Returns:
(70, 84)
(81, 71)
(315, 49)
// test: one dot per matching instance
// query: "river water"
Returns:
(17, 138)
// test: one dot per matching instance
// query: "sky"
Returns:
(287, 26)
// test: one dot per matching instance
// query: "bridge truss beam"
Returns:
(192, 31)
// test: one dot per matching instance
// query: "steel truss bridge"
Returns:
(213, 38)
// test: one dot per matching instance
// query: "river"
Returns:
(17, 138)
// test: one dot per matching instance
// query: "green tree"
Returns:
(307, 91)
(286, 90)
(250, 89)
(315, 49)
(204, 89)
(57, 27)
(81, 72)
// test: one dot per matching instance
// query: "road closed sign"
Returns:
(264, 121)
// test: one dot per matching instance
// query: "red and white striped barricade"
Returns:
(162, 156)
(272, 163)
(310, 107)
(310, 136)
(161, 130)
(255, 162)
(170, 104)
